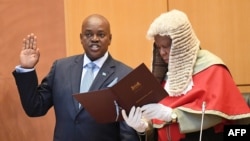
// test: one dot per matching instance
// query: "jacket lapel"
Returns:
(75, 76)
(101, 79)
(104, 74)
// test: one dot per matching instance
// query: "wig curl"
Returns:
(183, 51)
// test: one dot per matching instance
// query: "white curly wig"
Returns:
(183, 52)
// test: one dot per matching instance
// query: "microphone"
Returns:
(202, 118)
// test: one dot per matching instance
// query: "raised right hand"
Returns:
(29, 55)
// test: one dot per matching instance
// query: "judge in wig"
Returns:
(202, 94)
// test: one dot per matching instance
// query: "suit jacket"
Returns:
(56, 89)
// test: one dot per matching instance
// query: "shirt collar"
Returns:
(99, 62)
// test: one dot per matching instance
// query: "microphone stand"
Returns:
(202, 118)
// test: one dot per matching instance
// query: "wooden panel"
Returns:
(129, 23)
(18, 18)
(223, 28)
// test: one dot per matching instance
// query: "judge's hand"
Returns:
(157, 111)
(30, 54)
(135, 119)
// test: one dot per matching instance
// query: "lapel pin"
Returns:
(104, 74)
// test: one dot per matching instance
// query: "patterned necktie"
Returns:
(87, 79)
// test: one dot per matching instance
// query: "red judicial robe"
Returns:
(215, 86)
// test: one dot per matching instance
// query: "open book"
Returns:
(138, 88)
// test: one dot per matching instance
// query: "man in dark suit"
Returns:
(73, 122)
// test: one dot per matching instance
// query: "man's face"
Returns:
(163, 44)
(95, 37)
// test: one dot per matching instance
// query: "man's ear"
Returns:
(81, 37)
(110, 37)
